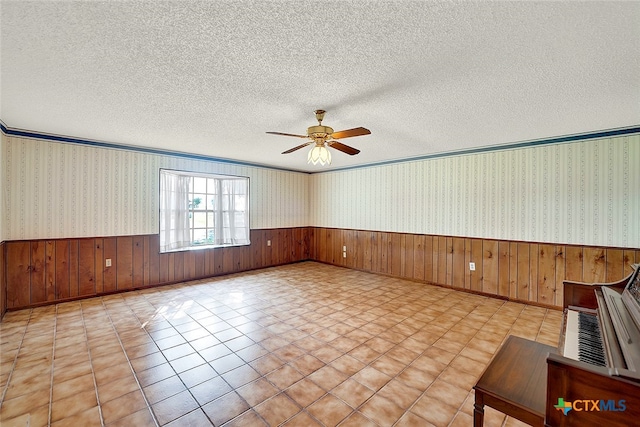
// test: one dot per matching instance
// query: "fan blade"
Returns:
(297, 148)
(350, 132)
(288, 134)
(344, 148)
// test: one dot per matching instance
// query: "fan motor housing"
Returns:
(319, 131)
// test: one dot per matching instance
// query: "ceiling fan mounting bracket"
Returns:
(320, 116)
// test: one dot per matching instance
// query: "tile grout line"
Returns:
(93, 373)
(15, 360)
(280, 311)
(233, 389)
(53, 360)
(106, 309)
(422, 394)
(168, 361)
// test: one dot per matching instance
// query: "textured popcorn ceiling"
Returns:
(212, 77)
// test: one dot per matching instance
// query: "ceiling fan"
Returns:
(323, 137)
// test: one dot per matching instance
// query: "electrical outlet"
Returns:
(344, 254)
(472, 266)
(268, 242)
(344, 249)
(108, 262)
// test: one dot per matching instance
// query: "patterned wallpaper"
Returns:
(585, 192)
(59, 190)
(3, 188)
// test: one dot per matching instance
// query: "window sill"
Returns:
(199, 247)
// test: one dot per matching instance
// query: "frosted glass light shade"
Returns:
(319, 154)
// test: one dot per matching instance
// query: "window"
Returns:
(199, 210)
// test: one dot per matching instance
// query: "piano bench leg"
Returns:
(478, 410)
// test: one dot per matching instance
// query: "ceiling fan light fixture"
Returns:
(319, 154)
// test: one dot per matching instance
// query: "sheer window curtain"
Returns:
(231, 226)
(174, 211)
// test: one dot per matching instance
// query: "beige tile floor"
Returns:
(299, 345)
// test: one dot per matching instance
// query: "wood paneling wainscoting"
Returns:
(520, 271)
(47, 271)
(3, 280)
(38, 272)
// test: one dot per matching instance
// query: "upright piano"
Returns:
(591, 379)
(594, 379)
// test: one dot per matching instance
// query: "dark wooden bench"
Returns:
(515, 382)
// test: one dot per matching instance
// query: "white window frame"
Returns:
(202, 210)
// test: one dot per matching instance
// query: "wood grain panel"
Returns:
(490, 270)
(441, 263)
(284, 239)
(199, 261)
(560, 256)
(109, 274)
(227, 259)
(513, 270)
(449, 261)
(313, 245)
(178, 266)
(124, 263)
(88, 251)
(351, 242)
(429, 270)
(219, 258)
(50, 270)
(574, 261)
(368, 250)
(395, 254)
(359, 241)
(407, 256)
(164, 267)
(74, 268)
(236, 256)
(523, 271)
(467, 260)
(504, 262)
(629, 258)
(138, 262)
(18, 273)
(299, 246)
(418, 256)
(322, 245)
(614, 260)
(98, 266)
(154, 259)
(458, 265)
(306, 233)
(546, 274)
(375, 251)
(277, 246)
(336, 247)
(38, 291)
(477, 257)
(595, 269)
(189, 267)
(384, 247)
(62, 270)
(245, 258)
(533, 272)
